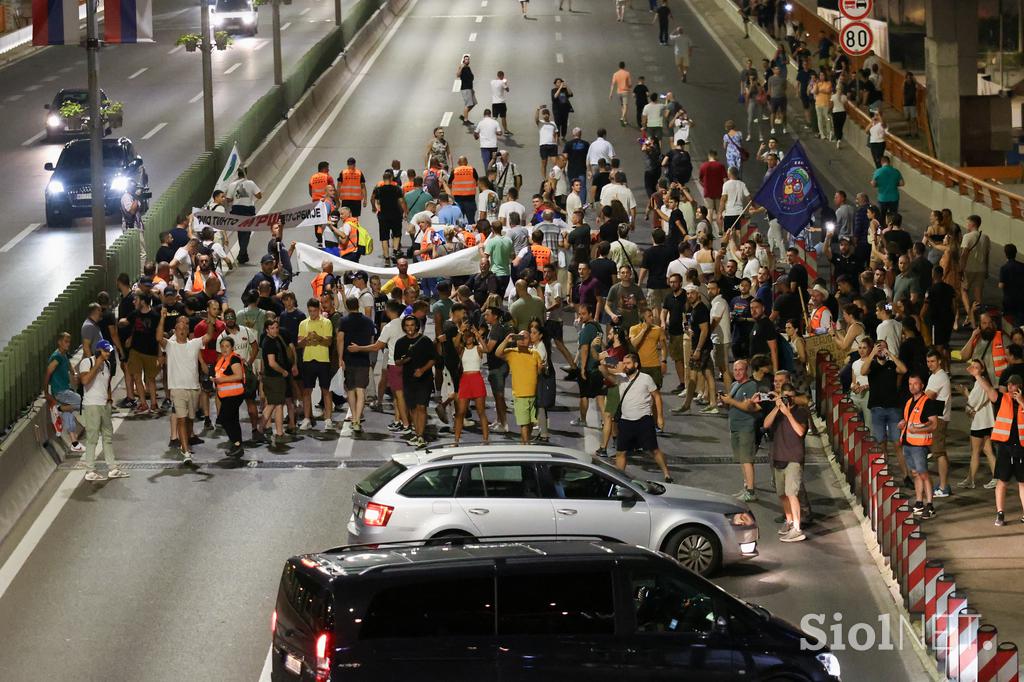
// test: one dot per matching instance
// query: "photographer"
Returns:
(788, 425)
(883, 370)
(132, 207)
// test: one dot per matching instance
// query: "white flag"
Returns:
(230, 169)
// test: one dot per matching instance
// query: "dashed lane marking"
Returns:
(35, 138)
(175, 50)
(196, 98)
(138, 73)
(446, 119)
(154, 130)
(472, 37)
(232, 68)
(14, 242)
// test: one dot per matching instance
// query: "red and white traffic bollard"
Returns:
(944, 587)
(1003, 666)
(900, 530)
(914, 570)
(889, 498)
(878, 470)
(932, 573)
(967, 649)
(955, 605)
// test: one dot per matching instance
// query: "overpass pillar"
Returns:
(950, 49)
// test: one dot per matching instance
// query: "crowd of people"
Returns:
(723, 310)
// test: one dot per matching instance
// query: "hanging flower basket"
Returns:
(223, 40)
(113, 114)
(190, 41)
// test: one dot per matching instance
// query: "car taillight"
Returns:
(377, 514)
(323, 658)
(273, 622)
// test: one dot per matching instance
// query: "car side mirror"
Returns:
(136, 162)
(46, 106)
(48, 166)
(624, 495)
(721, 625)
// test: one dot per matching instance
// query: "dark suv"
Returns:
(514, 609)
(69, 191)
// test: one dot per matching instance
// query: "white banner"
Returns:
(306, 215)
(460, 263)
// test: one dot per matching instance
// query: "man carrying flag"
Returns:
(791, 193)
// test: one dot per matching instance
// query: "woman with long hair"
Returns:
(979, 409)
(618, 347)
(539, 342)
(470, 345)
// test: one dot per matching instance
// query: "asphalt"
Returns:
(170, 574)
(164, 94)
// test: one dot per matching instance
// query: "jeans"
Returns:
(68, 418)
(487, 153)
(877, 151)
(883, 424)
(97, 422)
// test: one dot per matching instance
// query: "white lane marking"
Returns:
(267, 666)
(231, 69)
(446, 119)
(456, 86)
(472, 37)
(303, 12)
(35, 533)
(707, 27)
(138, 73)
(156, 129)
(180, 11)
(65, 69)
(13, 98)
(14, 242)
(558, 19)
(260, 44)
(30, 88)
(177, 49)
(558, 35)
(196, 98)
(479, 19)
(559, 58)
(35, 138)
(483, 3)
(286, 25)
(48, 79)
(335, 112)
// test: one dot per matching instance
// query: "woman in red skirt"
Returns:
(470, 344)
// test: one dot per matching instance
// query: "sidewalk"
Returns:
(985, 560)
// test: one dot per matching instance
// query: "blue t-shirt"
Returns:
(887, 181)
(451, 215)
(60, 380)
(740, 421)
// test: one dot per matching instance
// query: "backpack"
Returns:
(364, 239)
(207, 250)
(432, 183)
(527, 262)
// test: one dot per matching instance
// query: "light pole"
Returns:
(276, 7)
(99, 191)
(337, 12)
(207, 49)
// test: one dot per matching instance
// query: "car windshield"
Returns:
(77, 96)
(77, 156)
(646, 486)
(379, 478)
(233, 5)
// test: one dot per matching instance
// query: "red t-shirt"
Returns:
(209, 352)
(712, 177)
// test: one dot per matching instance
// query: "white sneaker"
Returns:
(328, 425)
(991, 484)
(748, 137)
(95, 476)
(76, 447)
(501, 428)
(117, 473)
(305, 425)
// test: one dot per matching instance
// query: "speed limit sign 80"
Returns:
(856, 38)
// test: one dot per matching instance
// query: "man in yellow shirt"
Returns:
(524, 364)
(316, 334)
(823, 107)
(649, 340)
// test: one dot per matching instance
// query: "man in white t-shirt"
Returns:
(721, 334)
(242, 194)
(599, 149)
(94, 374)
(487, 131)
(499, 88)
(940, 388)
(686, 262)
(617, 189)
(735, 197)
(682, 48)
(183, 367)
(547, 137)
(511, 205)
(486, 201)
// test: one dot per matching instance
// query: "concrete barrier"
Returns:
(28, 456)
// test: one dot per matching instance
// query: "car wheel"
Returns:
(446, 538)
(696, 548)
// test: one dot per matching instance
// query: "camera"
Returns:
(143, 192)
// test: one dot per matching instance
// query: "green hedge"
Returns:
(23, 360)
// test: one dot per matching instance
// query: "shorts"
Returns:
(789, 479)
(637, 435)
(592, 386)
(711, 203)
(389, 229)
(356, 377)
(778, 104)
(553, 330)
(917, 458)
(140, 363)
(354, 205)
(676, 347)
(468, 98)
(499, 109)
(884, 422)
(938, 447)
(471, 386)
(525, 410)
(742, 444)
(683, 61)
(496, 377)
(981, 433)
(1009, 463)
(942, 330)
(611, 400)
(974, 281)
(185, 401)
(720, 356)
(730, 221)
(314, 371)
(394, 375)
(656, 297)
(654, 373)
(418, 393)
(703, 361)
(624, 98)
(910, 112)
(275, 389)
(548, 151)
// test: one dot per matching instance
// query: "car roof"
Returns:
(361, 559)
(486, 452)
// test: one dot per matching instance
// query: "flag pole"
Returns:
(99, 216)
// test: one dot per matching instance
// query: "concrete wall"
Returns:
(28, 456)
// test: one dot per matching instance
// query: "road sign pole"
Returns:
(207, 49)
(99, 191)
(276, 9)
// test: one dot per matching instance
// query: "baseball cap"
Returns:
(170, 291)
(145, 281)
(690, 288)
(783, 279)
(359, 274)
(267, 258)
(844, 238)
(104, 345)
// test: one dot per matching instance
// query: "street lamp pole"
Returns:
(276, 6)
(207, 50)
(337, 12)
(99, 191)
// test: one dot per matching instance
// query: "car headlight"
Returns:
(119, 183)
(249, 19)
(55, 187)
(53, 121)
(830, 663)
(742, 519)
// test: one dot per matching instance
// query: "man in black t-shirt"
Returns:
(356, 329)
(1006, 435)
(673, 320)
(700, 358)
(576, 151)
(165, 252)
(728, 282)
(445, 340)
(601, 178)
(654, 270)
(416, 355)
(142, 361)
(938, 311)
(883, 370)
(389, 205)
(786, 306)
(764, 340)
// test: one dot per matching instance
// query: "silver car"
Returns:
(506, 490)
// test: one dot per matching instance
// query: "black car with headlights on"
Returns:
(69, 191)
(59, 126)
(542, 609)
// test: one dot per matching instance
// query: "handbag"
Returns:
(744, 154)
(622, 396)
(546, 389)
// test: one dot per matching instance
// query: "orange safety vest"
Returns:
(318, 283)
(351, 187)
(912, 415)
(463, 181)
(351, 243)
(233, 388)
(541, 255)
(400, 283)
(816, 317)
(426, 244)
(999, 362)
(1004, 421)
(408, 186)
(198, 283)
(318, 183)
(382, 183)
(468, 237)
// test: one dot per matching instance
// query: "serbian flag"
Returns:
(792, 193)
(128, 21)
(55, 22)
